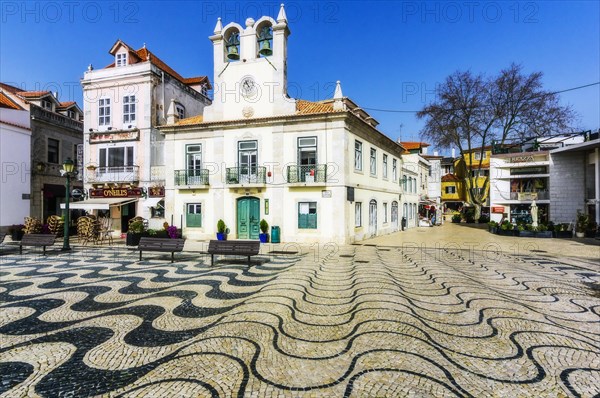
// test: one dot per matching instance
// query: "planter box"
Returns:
(543, 234)
(527, 234)
(264, 238)
(493, 230)
(17, 236)
(221, 236)
(563, 234)
(133, 239)
(505, 232)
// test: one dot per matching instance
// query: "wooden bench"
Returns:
(165, 245)
(2, 236)
(38, 240)
(233, 247)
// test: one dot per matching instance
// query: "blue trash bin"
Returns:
(275, 233)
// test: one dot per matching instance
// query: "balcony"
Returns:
(246, 175)
(525, 196)
(194, 177)
(307, 174)
(113, 174)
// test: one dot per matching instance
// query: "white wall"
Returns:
(15, 152)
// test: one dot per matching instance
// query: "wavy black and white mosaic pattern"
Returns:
(363, 321)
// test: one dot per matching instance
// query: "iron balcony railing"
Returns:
(113, 174)
(191, 177)
(307, 173)
(246, 175)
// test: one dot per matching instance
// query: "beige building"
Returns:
(320, 171)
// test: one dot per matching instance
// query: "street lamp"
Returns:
(68, 172)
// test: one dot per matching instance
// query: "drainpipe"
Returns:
(162, 76)
(597, 198)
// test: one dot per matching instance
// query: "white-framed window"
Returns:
(116, 156)
(71, 114)
(180, 109)
(385, 212)
(373, 162)
(193, 215)
(358, 155)
(129, 109)
(478, 155)
(357, 214)
(450, 189)
(307, 215)
(121, 59)
(385, 166)
(395, 170)
(104, 112)
(47, 105)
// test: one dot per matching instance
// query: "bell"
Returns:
(265, 48)
(232, 53)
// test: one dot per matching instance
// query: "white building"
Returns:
(321, 171)
(124, 151)
(15, 150)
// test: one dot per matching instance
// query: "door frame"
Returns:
(250, 199)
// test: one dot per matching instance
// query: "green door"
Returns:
(248, 218)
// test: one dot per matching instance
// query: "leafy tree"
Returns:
(471, 111)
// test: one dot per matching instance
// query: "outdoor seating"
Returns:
(233, 247)
(106, 231)
(88, 230)
(32, 225)
(37, 240)
(161, 245)
(55, 225)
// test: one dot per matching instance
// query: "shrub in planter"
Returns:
(591, 230)
(562, 231)
(135, 232)
(456, 218)
(16, 232)
(264, 227)
(221, 230)
(492, 227)
(542, 232)
(484, 218)
(582, 223)
(506, 228)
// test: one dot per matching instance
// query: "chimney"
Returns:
(435, 153)
(424, 150)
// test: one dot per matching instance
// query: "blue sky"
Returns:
(388, 55)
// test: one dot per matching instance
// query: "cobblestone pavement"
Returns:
(349, 321)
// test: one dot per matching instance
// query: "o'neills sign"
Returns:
(116, 193)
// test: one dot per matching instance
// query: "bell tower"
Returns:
(250, 69)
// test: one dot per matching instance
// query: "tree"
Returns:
(471, 111)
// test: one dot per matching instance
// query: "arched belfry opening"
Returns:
(232, 45)
(264, 38)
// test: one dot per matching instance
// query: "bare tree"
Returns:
(471, 111)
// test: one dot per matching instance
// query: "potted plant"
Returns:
(134, 233)
(562, 231)
(526, 230)
(543, 232)
(264, 227)
(456, 218)
(591, 230)
(582, 223)
(506, 228)
(16, 232)
(221, 230)
(493, 227)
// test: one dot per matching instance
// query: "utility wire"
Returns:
(482, 106)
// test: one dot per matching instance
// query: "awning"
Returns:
(151, 202)
(98, 204)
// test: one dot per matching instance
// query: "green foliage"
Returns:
(264, 226)
(506, 226)
(221, 227)
(492, 224)
(529, 227)
(582, 221)
(137, 227)
(542, 228)
(456, 218)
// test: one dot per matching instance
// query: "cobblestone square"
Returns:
(390, 317)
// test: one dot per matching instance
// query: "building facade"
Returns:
(124, 103)
(320, 171)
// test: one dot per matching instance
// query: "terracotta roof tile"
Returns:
(33, 94)
(10, 89)
(304, 107)
(6, 102)
(409, 145)
(450, 178)
(190, 120)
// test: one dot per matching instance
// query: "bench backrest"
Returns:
(234, 246)
(2, 236)
(161, 243)
(38, 239)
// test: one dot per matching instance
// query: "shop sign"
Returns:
(97, 137)
(527, 195)
(116, 193)
(521, 159)
(156, 192)
(498, 209)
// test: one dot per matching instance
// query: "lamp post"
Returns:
(68, 172)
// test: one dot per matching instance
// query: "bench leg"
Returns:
(212, 259)
(140, 255)
(172, 257)
(20, 249)
(44, 250)
(249, 261)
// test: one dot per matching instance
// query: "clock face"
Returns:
(248, 87)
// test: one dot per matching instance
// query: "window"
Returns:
(71, 114)
(129, 109)
(104, 112)
(75, 155)
(478, 155)
(404, 180)
(357, 155)
(307, 215)
(395, 170)
(121, 59)
(357, 214)
(53, 151)
(385, 218)
(193, 215)
(159, 210)
(47, 105)
(180, 109)
(480, 173)
(450, 189)
(373, 162)
(116, 157)
(385, 166)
